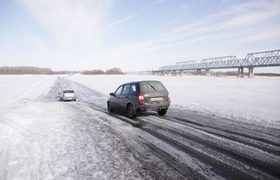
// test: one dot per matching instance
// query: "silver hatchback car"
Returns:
(67, 95)
(140, 96)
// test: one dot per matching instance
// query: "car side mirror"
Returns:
(112, 94)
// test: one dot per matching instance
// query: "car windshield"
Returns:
(152, 86)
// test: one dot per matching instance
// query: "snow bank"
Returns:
(24, 87)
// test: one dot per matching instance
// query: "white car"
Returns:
(67, 95)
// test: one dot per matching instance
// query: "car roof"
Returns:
(141, 81)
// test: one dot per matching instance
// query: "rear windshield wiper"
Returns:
(152, 86)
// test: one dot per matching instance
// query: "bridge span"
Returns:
(251, 61)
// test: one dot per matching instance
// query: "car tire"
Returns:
(162, 112)
(131, 111)
(109, 107)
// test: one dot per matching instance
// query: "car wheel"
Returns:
(109, 107)
(131, 111)
(162, 112)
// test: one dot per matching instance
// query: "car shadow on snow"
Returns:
(124, 114)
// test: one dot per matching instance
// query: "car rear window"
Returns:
(152, 86)
(68, 91)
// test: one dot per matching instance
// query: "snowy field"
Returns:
(254, 100)
(42, 138)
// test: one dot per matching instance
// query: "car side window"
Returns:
(126, 89)
(133, 88)
(118, 91)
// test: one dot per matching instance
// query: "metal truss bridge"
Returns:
(252, 60)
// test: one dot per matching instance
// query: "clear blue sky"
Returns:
(133, 34)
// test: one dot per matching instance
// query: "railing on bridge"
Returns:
(264, 59)
(220, 62)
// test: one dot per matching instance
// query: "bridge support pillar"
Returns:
(240, 73)
(207, 72)
(198, 72)
(180, 73)
(251, 73)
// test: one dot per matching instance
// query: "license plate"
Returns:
(156, 99)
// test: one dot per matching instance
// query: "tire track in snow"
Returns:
(248, 134)
(240, 158)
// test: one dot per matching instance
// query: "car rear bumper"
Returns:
(69, 99)
(155, 106)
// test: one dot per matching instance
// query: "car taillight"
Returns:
(140, 98)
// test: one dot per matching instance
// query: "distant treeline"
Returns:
(19, 70)
(96, 72)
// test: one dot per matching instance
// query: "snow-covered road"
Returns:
(47, 139)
